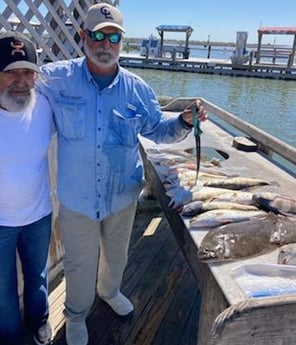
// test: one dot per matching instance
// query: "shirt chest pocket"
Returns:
(125, 129)
(70, 118)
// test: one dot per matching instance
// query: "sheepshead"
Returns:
(196, 207)
(236, 183)
(238, 240)
(214, 218)
(287, 254)
(276, 203)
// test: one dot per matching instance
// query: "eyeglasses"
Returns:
(99, 36)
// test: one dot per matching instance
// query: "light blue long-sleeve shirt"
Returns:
(100, 171)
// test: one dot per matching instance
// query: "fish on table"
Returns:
(203, 193)
(215, 218)
(169, 157)
(276, 203)
(197, 207)
(246, 239)
(173, 157)
(242, 197)
(236, 183)
(285, 232)
(165, 152)
(180, 196)
(287, 254)
(186, 178)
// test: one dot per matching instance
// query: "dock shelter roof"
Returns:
(175, 28)
(277, 30)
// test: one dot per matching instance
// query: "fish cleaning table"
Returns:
(228, 316)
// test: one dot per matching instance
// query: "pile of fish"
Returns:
(241, 220)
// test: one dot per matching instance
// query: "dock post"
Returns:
(209, 51)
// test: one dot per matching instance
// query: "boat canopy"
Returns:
(176, 28)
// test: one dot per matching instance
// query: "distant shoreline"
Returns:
(137, 41)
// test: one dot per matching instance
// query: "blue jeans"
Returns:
(32, 243)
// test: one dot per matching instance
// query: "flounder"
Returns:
(248, 238)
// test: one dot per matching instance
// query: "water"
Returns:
(215, 52)
(266, 103)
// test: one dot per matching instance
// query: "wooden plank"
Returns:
(173, 330)
(159, 283)
(149, 284)
(152, 227)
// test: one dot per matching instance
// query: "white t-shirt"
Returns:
(24, 180)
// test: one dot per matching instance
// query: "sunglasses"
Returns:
(99, 36)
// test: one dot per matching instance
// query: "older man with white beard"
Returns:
(25, 202)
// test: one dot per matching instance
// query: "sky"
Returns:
(218, 20)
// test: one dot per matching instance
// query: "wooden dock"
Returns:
(211, 66)
(157, 280)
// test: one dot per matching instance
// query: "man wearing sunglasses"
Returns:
(100, 109)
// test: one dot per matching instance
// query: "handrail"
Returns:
(264, 139)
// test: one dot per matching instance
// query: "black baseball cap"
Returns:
(17, 51)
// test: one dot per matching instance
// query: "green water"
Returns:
(266, 103)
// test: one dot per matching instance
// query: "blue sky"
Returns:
(217, 19)
(220, 19)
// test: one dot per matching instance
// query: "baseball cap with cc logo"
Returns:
(17, 51)
(101, 15)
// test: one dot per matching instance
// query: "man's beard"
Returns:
(17, 103)
(101, 57)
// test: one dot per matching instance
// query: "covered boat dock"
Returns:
(275, 52)
(185, 50)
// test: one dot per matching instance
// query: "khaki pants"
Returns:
(96, 254)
